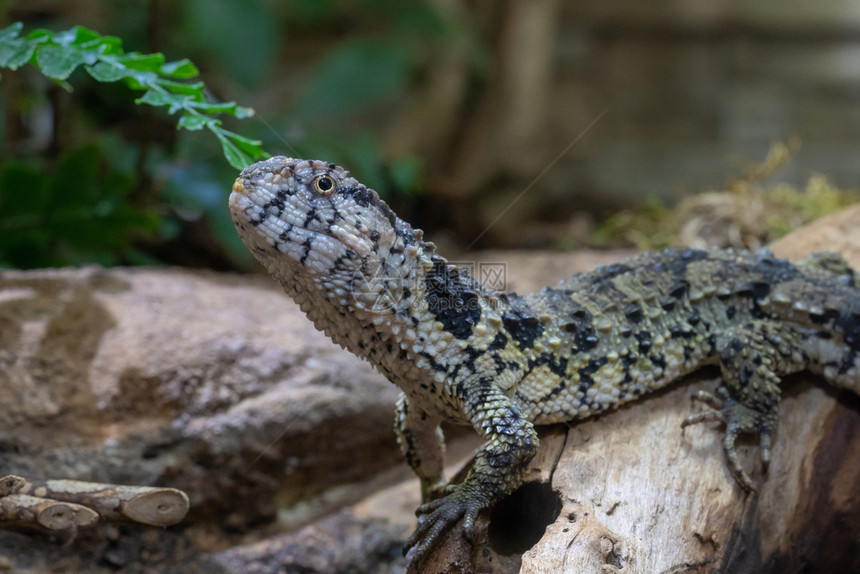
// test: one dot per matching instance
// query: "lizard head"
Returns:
(311, 215)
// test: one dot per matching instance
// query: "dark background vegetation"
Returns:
(449, 109)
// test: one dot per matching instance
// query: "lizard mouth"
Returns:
(247, 211)
(308, 248)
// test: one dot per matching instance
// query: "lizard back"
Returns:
(625, 329)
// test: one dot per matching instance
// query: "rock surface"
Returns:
(216, 385)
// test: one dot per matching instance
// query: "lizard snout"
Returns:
(239, 185)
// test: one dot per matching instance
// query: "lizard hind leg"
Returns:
(747, 402)
(422, 442)
(739, 419)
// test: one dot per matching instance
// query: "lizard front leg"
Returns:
(422, 442)
(511, 442)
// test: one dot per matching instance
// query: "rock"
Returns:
(341, 542)
(213, 384)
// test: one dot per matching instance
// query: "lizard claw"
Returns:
(435, 517)
(739, 419)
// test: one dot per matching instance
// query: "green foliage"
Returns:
(75, 214)
(140, 192)
(58, 54)
(749, 212)
(792, 207)
(359, 79)
(354, 75)
(645, 227)
(250, 55)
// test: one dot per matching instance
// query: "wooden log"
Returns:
(23, 510)
(115, 502)
(10, 484)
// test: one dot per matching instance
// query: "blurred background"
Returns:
(513, 124)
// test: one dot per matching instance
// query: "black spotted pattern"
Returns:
(452, 297)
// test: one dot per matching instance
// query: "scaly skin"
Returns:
(502, 363)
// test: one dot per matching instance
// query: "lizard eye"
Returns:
(324, 185)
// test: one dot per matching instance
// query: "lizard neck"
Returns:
(385, 303)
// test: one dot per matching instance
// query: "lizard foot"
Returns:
(739, 419)
(435, 517)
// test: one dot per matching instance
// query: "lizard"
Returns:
(503, 363)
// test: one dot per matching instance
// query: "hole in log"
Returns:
(519, 520)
